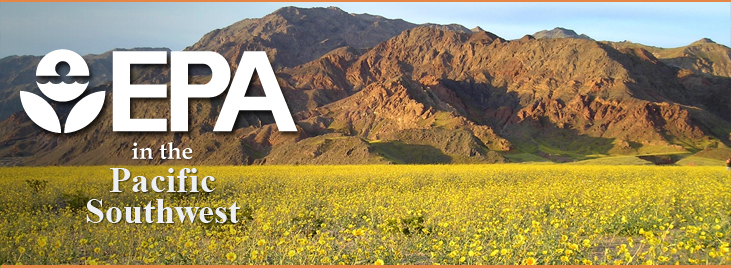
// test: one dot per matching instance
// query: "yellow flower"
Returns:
(231, 256)
(21, 250)
(189, 244)
(261, 242)
(378, 262)
(97, 250)
(493, 253)
(529, 261)
(291, 253)
(83, 241)
(42, 242)
(724, 248)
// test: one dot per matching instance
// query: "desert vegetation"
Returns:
(379, 214)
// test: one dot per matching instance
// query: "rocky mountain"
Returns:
(559, 32)
(293, 36)
(419, 94)
(701, 57)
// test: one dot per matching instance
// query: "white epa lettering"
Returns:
(181, 91)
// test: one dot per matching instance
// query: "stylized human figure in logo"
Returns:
(41, 111)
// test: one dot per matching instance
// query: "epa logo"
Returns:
(89, 107)
(42, 113)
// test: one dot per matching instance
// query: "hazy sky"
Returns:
(38, 28)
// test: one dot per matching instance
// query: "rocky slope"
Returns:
(702, 57)
(293, 36)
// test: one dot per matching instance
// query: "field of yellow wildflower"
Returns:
(445, 214)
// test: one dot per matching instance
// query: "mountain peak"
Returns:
(448, 27)
(703, 41)
(290, 11)
(286, 10)
(477, 29)
(559, 32)
(527, 37)
(292, 36)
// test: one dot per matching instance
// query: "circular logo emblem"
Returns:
(43, 114)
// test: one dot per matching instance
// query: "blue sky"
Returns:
(38, 28)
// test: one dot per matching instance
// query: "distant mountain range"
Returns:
(367, 89)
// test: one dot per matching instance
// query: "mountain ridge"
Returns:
(559, 32)
(426, 94)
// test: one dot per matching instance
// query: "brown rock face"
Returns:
(293, 36)
(365, 89)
